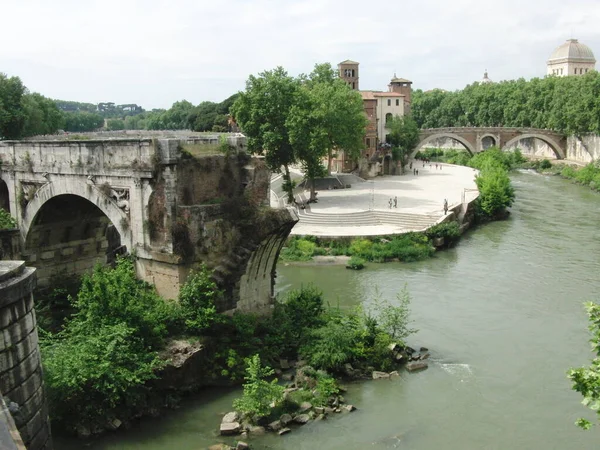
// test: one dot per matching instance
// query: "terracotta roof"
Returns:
(387, 94)
(367, 95)
(348, 61)
(400, 80)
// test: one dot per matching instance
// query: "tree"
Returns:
(404, 137)
(42, 115)
(495, 190)
(83, 121)
(586, 380)
(12, 113)
(258, 394)
(115, 124)
(326, 117)
(262, 112)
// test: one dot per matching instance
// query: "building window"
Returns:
(389, 102)
(561, 71)
(388, 118)
(368, 142)
(353, 86)
(586, 70)
(397, 102)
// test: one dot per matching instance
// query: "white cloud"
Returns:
(155, 52)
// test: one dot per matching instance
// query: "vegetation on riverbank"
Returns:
(407, 247)
(586, 380)
(102, 365)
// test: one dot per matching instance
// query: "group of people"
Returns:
(393, 201)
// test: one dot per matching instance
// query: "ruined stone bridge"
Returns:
(477, 139)
(170, 202)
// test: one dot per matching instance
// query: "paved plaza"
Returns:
(363, 209)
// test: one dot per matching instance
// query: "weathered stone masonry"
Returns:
(171, 202)
(21, 381)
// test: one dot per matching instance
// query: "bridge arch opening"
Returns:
(4, 198)
(444, 136)
(529, 146)
(69, 235)
(488, 142)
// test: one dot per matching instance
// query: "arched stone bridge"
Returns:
(477, 139)
(172, 203)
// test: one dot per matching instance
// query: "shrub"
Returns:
(111, 296)
(198, 297)
(6, 220)
(88, 375)
(258, 393)
(361, 247)
(545, 164)
(495, 190)
(450, 231)
(299, 249)
(586, 175)
(568, 172)
(356, 263)
(394, 319)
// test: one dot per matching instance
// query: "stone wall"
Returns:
(21, 381)
(584, 149)
(10, 244)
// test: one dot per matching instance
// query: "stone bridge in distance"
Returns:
(172, 203)
(476, 139)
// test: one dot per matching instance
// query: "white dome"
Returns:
(572, 50)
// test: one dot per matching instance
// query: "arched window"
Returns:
(388, 118)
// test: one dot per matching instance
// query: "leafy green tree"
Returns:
(394, 319)
(197, 298)
(586, 380)
(328, 116)
(42, 115)
(114, 295)
(404, 137)
(262, 112)
(83, 121)
(12, 112)
(259, 393)
(115, 124)
(89, 375)
(495, 190)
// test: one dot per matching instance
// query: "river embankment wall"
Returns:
(21, 381)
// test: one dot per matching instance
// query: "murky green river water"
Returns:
(502, 314)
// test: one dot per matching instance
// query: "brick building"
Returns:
(379, 107)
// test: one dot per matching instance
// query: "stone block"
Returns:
(47, 255)
(68, 251)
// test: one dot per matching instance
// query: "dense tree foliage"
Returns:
(586, 380)
(12, 112)
(403, 137)
(25, 114)
(304, 119)
(262, 111)
(327, 116)
(82, 121)
(567, 104)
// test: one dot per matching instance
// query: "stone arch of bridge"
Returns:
(488, 140)
(86, 191)
(556, 148)
(468, 146)
(4, 195)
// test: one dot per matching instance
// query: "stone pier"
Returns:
(21, 381)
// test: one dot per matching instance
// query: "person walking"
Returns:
(417, 172)
(445, 206)
(395, 201)
(390, 202)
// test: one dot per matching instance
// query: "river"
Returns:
(503, 318)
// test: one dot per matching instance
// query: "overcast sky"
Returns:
(155, 52)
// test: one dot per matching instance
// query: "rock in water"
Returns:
(230, 417)
(285, 419)
(241, 445)
(230, 428)
(305, 406)
(416, 365)
(380, 375)
(302, 419)
(284, 431)
(275, 425)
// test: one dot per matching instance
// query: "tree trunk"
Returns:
(287, 183)
(313, 195)
(329, 157)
